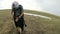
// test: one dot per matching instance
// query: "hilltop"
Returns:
(35, 25)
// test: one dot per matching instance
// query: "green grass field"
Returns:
(35, 25)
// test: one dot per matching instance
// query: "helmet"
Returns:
(15, 4)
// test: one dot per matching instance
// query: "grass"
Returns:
(35, 25)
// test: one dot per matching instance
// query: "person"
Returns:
(17, 14)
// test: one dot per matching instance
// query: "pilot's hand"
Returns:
(16, 19)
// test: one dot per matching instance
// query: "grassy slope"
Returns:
(36, 25)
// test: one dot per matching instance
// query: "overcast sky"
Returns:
(50, 6)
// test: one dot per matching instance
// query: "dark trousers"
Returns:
(20, 23)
